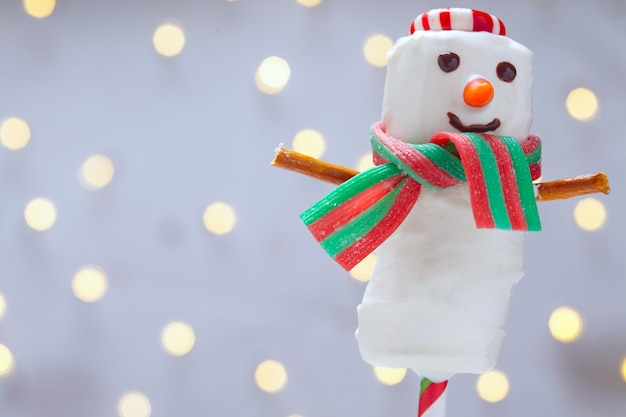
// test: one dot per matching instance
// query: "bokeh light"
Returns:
(309, 3)
(363, 270)
(3, 305)
(39, 8)
(365, 162)
(169, 39)
(89, 284)
(134, 404)
(14, 133)
(492, 386)
(178, 338)
(623, 369)
(375, 49)
(389, 376)
(590, 214)
(270, 376)
(96, 172)
(219, 218)
(7, 362)
(582, 104)
(40, 214)
(272, 75)
(309, 142)
(566, 324)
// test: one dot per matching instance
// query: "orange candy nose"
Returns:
(478, 92)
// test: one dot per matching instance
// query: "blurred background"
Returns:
(153, 264)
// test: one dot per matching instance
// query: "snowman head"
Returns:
(457, 72)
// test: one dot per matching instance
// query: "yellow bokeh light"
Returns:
(169, 39)
(309, 3)
(566, 324)
(623, 369)
(375, 49)
(363, 270)
(134, 404)
(493, 386)
(590, 214)
(7, 362)
(389, 376)
(272, 75)
(96, 172)
(90, 284)
(219, 218)
(178, 338)
(39, 8)
(309, 142)
(40, 214)
(14, 133)
(3, 305)
(365, 162)
(582, 104)
(270, 376)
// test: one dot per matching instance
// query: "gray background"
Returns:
(186, 131)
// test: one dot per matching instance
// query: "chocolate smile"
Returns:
(476, 128)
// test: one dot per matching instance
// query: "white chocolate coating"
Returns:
(439, 295)
(418, 95)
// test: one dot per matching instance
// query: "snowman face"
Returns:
(457, 81)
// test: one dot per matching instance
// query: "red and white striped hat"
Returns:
(467, 20)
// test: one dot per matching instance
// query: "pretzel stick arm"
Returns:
(307, 165)
(336, 174)
(573, 187)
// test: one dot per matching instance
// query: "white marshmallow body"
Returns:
(439, 295)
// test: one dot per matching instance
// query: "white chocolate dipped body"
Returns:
(439, 295)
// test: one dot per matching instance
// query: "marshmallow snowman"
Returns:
(439, 294)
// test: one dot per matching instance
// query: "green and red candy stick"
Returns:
(432, 401)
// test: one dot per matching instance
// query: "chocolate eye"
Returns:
(448, 61)
(506, 71)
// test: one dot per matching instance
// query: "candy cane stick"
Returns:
(432, 401)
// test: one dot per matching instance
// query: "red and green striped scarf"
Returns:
(360, 214)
